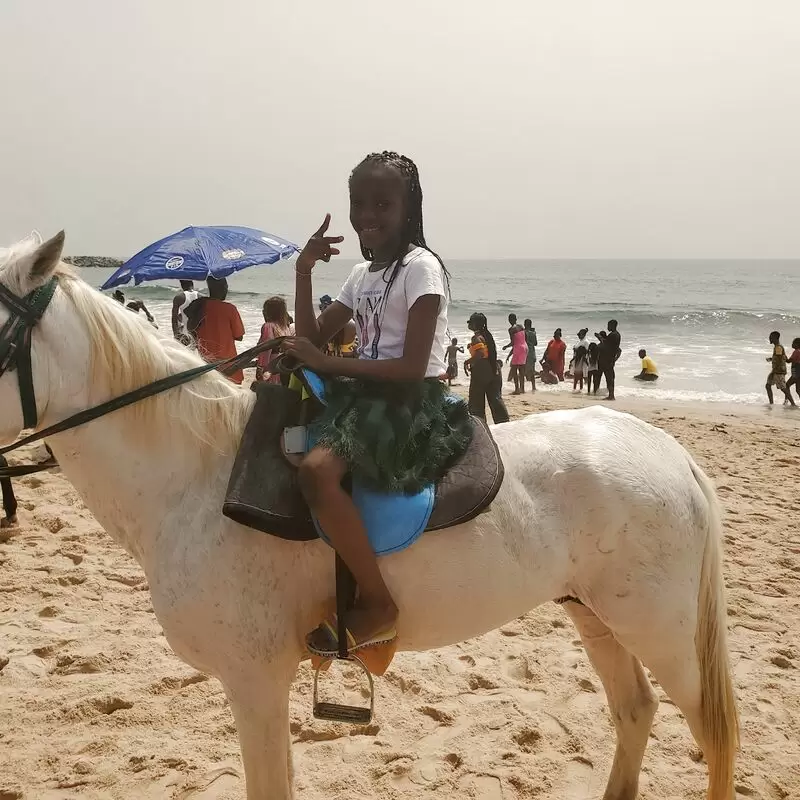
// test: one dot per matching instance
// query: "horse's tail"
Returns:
(718, 704)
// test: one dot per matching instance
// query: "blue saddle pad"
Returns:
(393, 521)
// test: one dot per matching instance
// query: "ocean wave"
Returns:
(649, 392)
(632, 313)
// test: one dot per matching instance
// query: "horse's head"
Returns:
(24, 268)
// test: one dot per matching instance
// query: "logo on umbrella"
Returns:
(176, 262)
(233, 255)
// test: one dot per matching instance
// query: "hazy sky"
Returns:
(568, 128)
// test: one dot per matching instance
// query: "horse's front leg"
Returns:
(260, 703)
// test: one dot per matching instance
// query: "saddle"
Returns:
(263, 491)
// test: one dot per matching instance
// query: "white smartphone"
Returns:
(295, 439)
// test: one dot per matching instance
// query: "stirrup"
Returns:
(336, 712)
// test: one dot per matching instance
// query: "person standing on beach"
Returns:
(452, 360)
(554, 354)
(777, 375)
(185, 297)
(579, 360)
(485, 372)
(516, 343)
(518, 355)
(276, 324)
(216, 325)
(530, 362)
(794, 360)
(592, 368)
(610, 351)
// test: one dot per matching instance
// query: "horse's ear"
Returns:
(44, 259)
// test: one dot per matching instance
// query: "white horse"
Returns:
(641, 549)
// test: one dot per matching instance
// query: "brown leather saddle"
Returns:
(263, 491)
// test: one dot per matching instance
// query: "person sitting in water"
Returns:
(548, 374)
(649, 369)
(136, 306)
(398, 297)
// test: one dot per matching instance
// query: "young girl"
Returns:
(276, 323)
(579, 360)
(592, 369)
(391, 424)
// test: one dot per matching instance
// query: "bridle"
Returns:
(15, 341)
(15, 353)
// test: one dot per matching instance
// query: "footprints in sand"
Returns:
(527, 739)
(474, 721)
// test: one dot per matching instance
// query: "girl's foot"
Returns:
(365, 627)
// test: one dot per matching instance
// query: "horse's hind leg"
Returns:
(631, 699)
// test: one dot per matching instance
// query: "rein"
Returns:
(127, 399)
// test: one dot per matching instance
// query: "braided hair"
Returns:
(413, 232)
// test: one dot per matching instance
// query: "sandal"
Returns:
(375, 653)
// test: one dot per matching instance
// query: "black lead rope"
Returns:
(127, 399)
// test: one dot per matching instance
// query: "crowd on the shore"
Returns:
(214, 325)
(591, 362)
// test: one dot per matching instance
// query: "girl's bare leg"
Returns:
(320, 477)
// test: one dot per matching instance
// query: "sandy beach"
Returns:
(93, 703)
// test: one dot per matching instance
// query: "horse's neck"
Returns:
(132, 485)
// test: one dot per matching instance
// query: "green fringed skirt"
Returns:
(396, 437)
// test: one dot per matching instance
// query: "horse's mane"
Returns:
(127, 353)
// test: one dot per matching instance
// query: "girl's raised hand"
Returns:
(318, 248)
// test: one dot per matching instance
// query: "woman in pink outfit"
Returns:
(276, 323)
(519, 357)
(518, 354)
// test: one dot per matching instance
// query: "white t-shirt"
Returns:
(381, 319)
(189, 296)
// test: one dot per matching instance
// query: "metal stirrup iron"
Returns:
(337, 712)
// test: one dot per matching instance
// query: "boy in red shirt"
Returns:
(216, 325)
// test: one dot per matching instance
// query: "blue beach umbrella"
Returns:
(195, 253)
